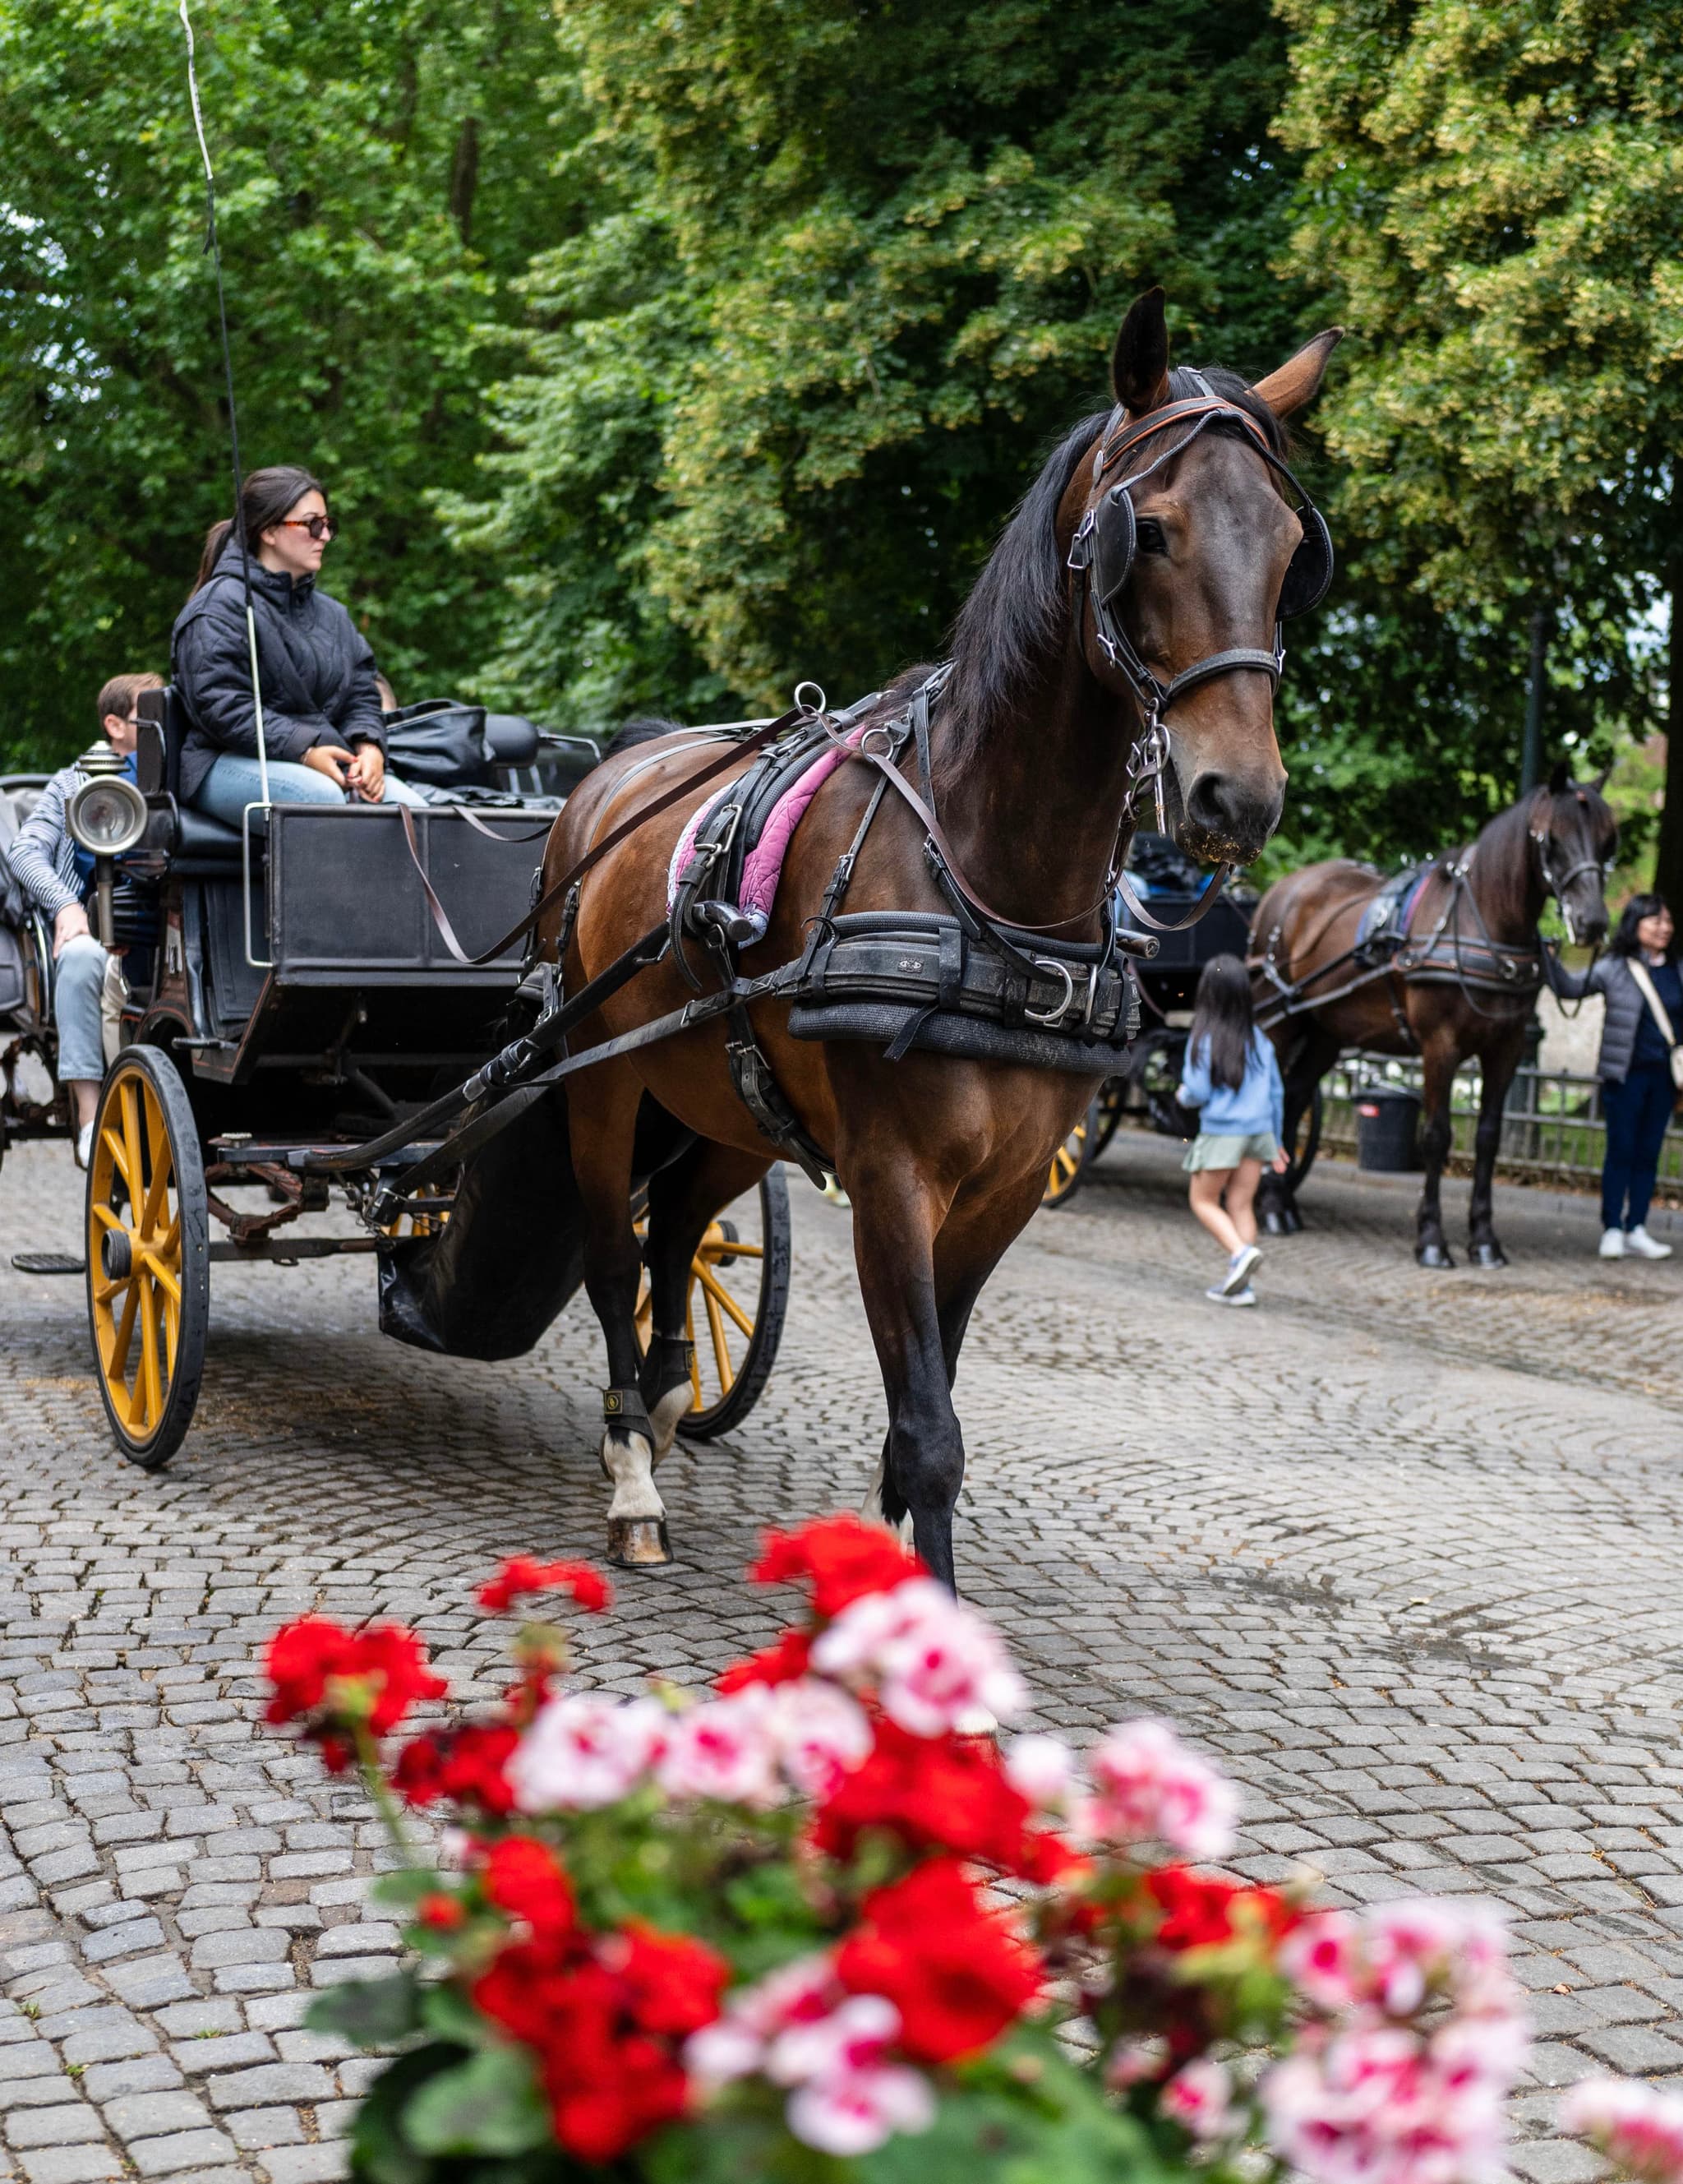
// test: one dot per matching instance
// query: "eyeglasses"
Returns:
(318, 526)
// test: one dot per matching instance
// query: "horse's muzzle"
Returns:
(1228, 817)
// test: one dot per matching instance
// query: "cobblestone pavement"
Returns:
(1404, 1549)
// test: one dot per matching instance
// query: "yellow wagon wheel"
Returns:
(148, 1258)
(734, 1308)
(1070, 1158)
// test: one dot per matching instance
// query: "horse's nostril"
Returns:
(1224, 805)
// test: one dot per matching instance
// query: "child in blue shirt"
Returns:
(1231, 1076)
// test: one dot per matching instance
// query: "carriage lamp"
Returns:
(107, 816)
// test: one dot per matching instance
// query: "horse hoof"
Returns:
(638, 1542)
(1486, 1255)
(1276, 1222)
(1294, 1222)
(1433, 1254)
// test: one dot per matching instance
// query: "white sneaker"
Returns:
(1612, 1244)
(1220, 1295)
(84, 1144)
(1639, 1245)
(1241, 1267)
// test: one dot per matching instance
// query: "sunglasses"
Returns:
(318, 526)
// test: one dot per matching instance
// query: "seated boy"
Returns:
(57, 878)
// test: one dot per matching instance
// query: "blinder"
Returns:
(1309, 574)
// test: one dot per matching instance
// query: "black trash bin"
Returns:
(1388, 1129)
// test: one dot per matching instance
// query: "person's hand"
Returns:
(330, 759)
(367, 776)
(71, 921)
(1280, 1162)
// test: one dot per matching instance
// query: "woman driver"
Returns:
(320, 707)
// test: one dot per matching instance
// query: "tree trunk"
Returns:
(1530, 759)
(1668, 865)
(464, 181)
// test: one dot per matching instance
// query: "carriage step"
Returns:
(47, 1262)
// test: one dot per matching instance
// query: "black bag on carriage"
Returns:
(441, 744)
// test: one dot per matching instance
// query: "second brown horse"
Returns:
(1032, 742)
(1460, 981)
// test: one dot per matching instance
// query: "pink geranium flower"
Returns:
(584, 1751)
(1638, 2127)
(1147, 1787)
(935, 1663)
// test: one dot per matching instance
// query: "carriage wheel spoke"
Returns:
(158, 1267)
(108, 1216)
(162, 1174)
(117, 1366)
(721, 1347)
(148, 1403)
(716, 1292)
(133, 1173)
(710, 1252)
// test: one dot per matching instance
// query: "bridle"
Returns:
(1101, 554)
(1556, 883)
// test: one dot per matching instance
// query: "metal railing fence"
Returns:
(1552, 1128)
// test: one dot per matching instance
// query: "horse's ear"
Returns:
(1299, 379)
(1561, 778)
(1599, 784)
(1139, 363)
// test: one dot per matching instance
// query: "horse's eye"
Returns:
(1149, 536)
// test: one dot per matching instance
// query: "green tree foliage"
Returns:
(849, 267)
(383, 173)
(1490, 197)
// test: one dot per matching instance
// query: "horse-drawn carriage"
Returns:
(1169, 883)
(292, 995)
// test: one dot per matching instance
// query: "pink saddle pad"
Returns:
(763, 868)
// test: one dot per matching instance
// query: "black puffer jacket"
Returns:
(313, 664)
(1609, 976)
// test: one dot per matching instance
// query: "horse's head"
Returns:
(1576, 838)
(1194, 555)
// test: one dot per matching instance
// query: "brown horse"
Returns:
(1456, 975)
(1033, 742)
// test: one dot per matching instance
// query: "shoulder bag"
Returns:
(1649, 993)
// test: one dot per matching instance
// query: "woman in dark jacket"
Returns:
(321, 717)
(1637, 1093)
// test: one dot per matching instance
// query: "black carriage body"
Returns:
(299, 978)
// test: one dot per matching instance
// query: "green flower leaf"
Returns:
(370, 2013)
(489, 2104)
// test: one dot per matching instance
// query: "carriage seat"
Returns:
(204, 839)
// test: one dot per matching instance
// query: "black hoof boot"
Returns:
(1431, 1252)
(1294, 1220)
(1275, 1221)
(1489, 1253)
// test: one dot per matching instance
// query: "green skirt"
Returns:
(1208, 1151)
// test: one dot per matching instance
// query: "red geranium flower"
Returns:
(604, 2018)
(841, 1557)
(957, 1974)
(524, 1878)
(463, 1765)
(442, 1912)
(782, 1663)
(1199, 1912)
(945, 1793)
(332, 1678)
(521, 1574)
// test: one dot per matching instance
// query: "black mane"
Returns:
(1013, 620)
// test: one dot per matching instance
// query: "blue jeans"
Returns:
(1637, 1113)
(234, 781)
(78, 980)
